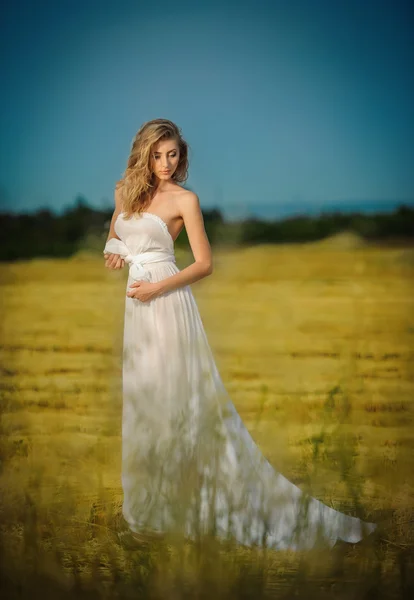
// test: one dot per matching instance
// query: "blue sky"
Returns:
(287, 105)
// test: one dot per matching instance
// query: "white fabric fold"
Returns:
(136, 261)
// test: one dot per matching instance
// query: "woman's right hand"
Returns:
(114, 261)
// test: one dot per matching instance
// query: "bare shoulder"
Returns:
(188, 202)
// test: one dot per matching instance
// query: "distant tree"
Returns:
(44, 233)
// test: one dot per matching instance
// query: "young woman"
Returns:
(188, 462)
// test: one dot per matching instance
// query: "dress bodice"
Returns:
(145, 232)
(144, 240)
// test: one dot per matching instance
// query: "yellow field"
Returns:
(315, 344)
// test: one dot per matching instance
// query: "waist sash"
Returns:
(136, 261)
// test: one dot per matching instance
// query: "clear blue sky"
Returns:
(285, 104)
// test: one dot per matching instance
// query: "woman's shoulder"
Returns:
(188, 203)
(184, 193)
(189, 196)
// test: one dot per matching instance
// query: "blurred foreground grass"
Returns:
(315, 344)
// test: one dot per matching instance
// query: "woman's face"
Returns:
(164, 159)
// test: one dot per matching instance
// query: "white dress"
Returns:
(188, 462)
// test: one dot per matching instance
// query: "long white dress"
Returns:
(188, 462)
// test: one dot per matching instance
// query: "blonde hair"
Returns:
(137, 185)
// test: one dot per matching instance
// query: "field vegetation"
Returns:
(315, 344)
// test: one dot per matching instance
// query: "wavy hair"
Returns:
(137, 184)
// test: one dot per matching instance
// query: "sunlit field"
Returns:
(315, 344)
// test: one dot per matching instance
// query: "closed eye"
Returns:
(172, 155)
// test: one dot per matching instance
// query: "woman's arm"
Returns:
(114, 261)
(117, 211)
(200, 246)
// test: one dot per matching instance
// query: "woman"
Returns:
(188, 462)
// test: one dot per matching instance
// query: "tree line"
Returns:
(83, 228)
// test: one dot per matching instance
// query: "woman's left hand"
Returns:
(143, 291)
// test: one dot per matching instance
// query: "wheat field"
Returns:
(315, 344)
